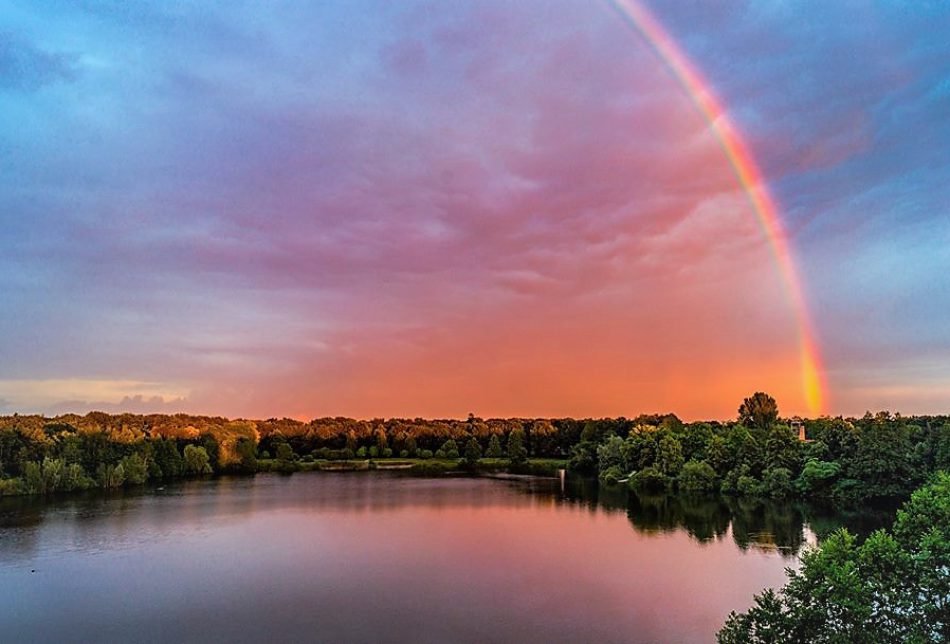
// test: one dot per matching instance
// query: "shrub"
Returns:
(74, 478)
(9, 487)
(450, 449)
(110, 476)
(697, 476)
(197, 461)
(817, 477)
(135, 470)
(749, 485)
(494, 447)
(612, 475)
(649, 478)
(777, 482)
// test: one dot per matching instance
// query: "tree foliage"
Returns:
(758, 410)
(894, 587)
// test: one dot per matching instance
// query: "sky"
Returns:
(368, 209)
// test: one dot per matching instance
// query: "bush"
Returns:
(424, 454)
(361, 452)
(74, 478)
(430, 469)
(612, 475)
(10, 487)
(649, 478)
(583, 458)
(387, 453)
(135, 470)
(697, 476)
(494, 447)
(517, 452)
(110, 476)
(197, 461)
(777, 482)
(450, 449)
(730, 482)
(817, 477)
(748, 485)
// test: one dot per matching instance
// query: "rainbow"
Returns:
(750, 178)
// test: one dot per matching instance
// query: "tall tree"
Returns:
(517, 452)
(758, 410)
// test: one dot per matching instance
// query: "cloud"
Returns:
(73, 395)
(378, 207)
(137, 404)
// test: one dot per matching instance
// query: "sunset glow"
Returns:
(548, 208)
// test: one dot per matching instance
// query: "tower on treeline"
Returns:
(798, 425)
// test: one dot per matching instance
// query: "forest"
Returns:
(877, 456)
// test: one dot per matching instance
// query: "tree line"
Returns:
(879, 455)
(758, 453)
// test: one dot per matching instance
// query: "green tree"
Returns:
(450, 449)
(494, 447)
(650, 479)
(610, 454)
(758, 410)
(892, 588)
(817, 477)
(247, 454)
(777, 482)
(196, 460)
(169, 459)
(136, 472)
(583, 458)
(882, 462)
(74, 478)
(697, 476)
(473, 452)
(517, 453)
(669, 456)
(110, 476)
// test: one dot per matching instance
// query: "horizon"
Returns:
(550, 210)
(461, 419)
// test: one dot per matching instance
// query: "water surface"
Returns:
(373, 557)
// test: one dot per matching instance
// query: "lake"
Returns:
(379, 557)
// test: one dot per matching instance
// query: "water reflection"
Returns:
(387, 558)
(762, 524)
(751, 523)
